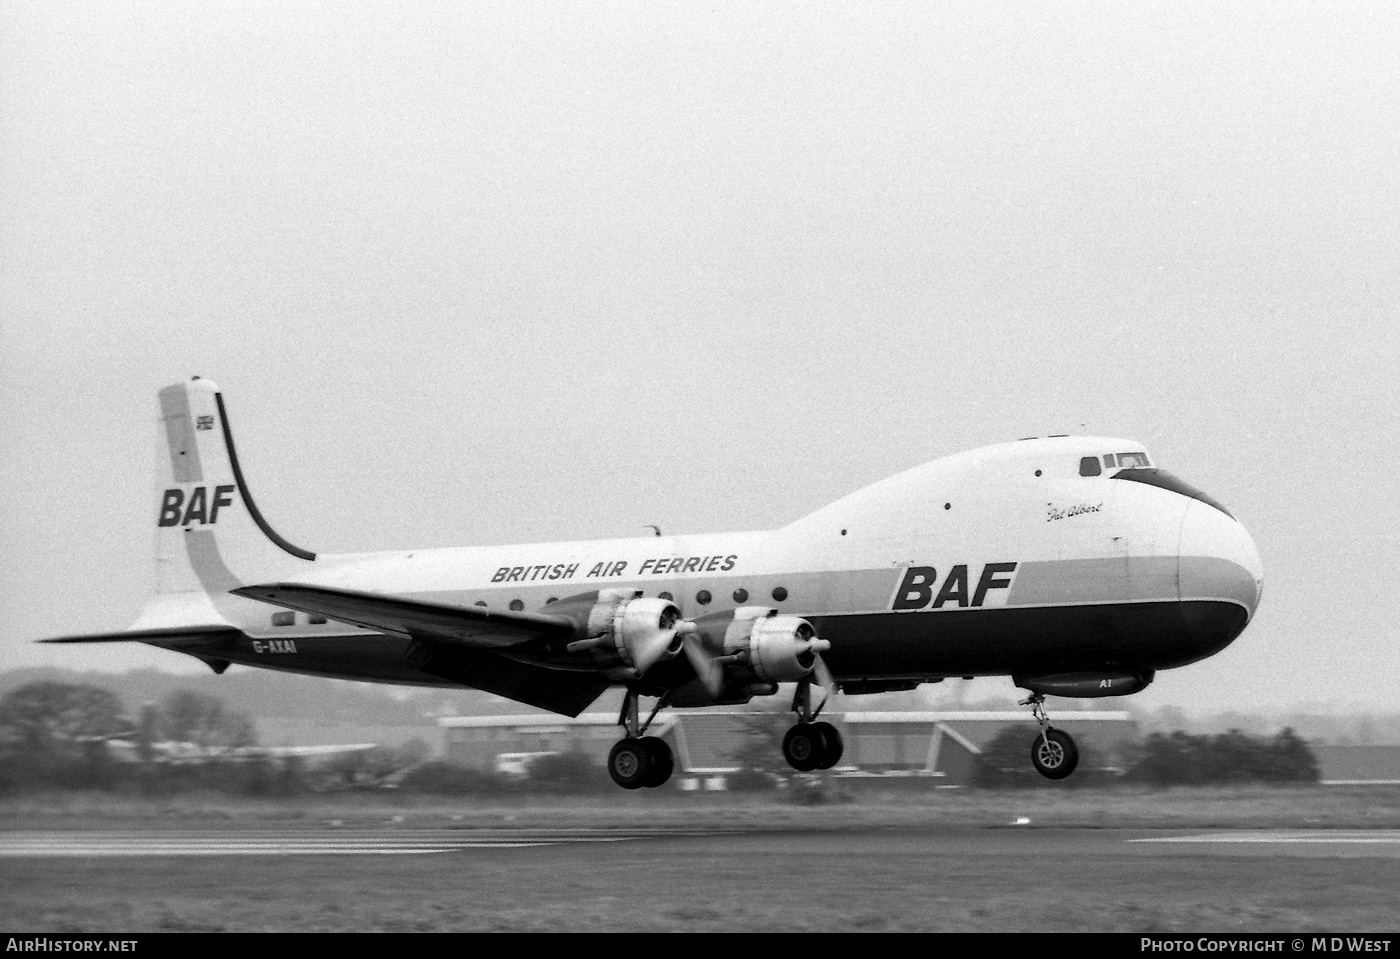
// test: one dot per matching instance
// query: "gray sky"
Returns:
(477, 273)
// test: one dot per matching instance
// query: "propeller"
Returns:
(822, 673)
(709, 662)
(634, 634)
(708, 666)
(652, 644)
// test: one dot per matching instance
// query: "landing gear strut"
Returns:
(1054, 753)
(811, 745)
(639, 760)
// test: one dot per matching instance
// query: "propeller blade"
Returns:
(661, 644)
(706, 666)
(822, 672)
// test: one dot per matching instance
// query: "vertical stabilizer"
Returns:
(210, 536)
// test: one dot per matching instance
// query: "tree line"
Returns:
(77, 736)
(73, 735)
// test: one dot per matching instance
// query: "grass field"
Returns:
(846, 866)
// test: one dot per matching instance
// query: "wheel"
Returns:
(832, 745)
(661, 759)
(629, 763)
(802, 747)
(1054, 754)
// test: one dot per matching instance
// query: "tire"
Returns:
(662, 761)
(1054, 754)
(629, 763)
(802, 747)
(832, 745)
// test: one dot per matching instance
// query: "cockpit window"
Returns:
(1089, 465)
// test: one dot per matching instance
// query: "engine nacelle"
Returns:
(626, 633)
(782, 649)
(756, 645)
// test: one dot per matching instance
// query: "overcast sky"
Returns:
(481, 273)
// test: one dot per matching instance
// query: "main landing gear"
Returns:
(1053, 753)
(639, 760)
(810, 745)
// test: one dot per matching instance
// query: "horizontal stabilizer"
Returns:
(473, 626)
(172, 637)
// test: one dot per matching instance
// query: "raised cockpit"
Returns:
(1136, 466)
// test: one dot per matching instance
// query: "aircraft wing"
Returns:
(457, 643)
(473, 626)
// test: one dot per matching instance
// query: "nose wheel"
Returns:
(1054, 753)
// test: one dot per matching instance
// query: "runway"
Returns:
(1384, 837)
(324, 842)
(329, 841)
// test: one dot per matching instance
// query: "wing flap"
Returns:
(471, 626)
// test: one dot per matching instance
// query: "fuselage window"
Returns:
(316, 620)
(1089, 466)
(666, 596)
(1133, 461)
(703, 597)
(741, 595)
(284, 619)
(517, 605)
(779, 593)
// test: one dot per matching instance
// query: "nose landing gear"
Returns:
(1054, 753)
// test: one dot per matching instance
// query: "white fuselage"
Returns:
(1013, 527)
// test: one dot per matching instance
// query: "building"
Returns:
(1358, 765)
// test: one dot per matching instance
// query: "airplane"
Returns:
(1073, 564)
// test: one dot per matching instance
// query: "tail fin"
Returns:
(210, 536)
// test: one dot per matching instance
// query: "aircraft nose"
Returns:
(1219, 575)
